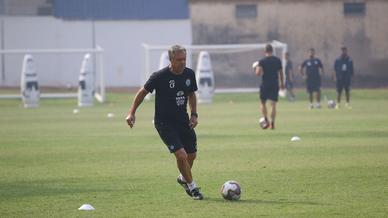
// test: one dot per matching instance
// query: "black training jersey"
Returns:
(312, 66)
(271, 66)
(343, 67)
(171, 94)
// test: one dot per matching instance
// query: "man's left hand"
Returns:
(193, 122)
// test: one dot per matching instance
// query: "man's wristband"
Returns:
(194, 115)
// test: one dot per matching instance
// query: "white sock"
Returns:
(192, 185)
(182, 178)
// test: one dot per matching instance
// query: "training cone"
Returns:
(86, 207)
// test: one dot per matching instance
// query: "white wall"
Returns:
(125, 55)
(121, 40)
(45, 33)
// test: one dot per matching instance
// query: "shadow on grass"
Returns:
(257, 201)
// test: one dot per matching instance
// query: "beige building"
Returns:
(324, 25)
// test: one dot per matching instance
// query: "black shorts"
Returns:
(343, 84)
(271, 93)
(177, 136)
(313, 85)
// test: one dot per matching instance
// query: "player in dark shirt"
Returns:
(312, 70)
(343, 73)
(289, 74)
(270, 68)
(175, 86)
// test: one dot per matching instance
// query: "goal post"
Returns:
(232, 63)
(59, 68)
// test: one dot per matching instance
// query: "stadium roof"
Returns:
(121, 9)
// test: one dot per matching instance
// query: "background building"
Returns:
(118, 26)
(324, 25)
(121, 26)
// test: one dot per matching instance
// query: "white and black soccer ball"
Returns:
(231, 190)
(282, 93)
(331, 104)
(263, 123)
(255, 64)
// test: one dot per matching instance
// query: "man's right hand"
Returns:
(131, 120)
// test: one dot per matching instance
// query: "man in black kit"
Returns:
(175, 85)
(270, 67)
(343, 67)
(312, 70)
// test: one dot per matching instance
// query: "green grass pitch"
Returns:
(52, 161)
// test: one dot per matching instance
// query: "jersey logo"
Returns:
(172, 83)
(309, 63)
(188, 82)
(316, 62)
(180, 98)
(344, 67)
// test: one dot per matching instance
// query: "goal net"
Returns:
(58, 71)
(231, 63)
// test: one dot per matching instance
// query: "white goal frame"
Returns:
(99, 54)
(219, 48)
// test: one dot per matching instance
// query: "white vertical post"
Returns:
(284, 61)
(100, 54)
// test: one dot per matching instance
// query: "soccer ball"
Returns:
(331, 104)
(282, 93)
(231, 190)
(263, 123)
(255, 64)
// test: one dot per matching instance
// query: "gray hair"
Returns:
(174, 49)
